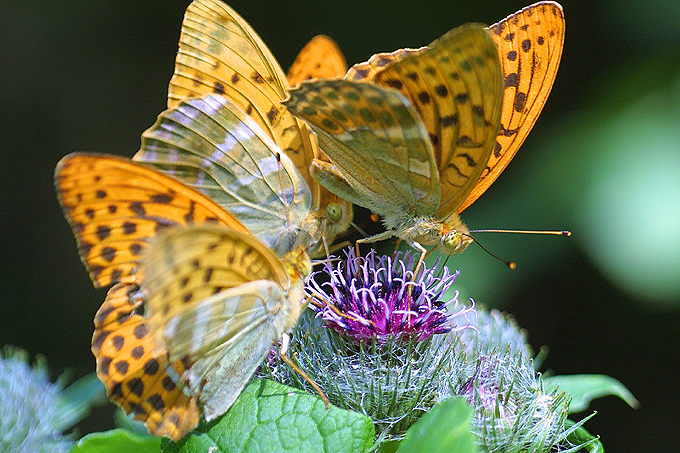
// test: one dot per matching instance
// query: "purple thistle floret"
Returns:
(366, 298)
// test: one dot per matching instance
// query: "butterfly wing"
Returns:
(135, 369)
(220, 298)
(456, 86)
(114, 206)
(377, 141)
(530, 47)
(220, 53)
(321, 58)
(211, 145)
(366, 71)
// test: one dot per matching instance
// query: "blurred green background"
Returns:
(603, 161)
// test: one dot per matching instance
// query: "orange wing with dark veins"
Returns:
(115, 205)
(529, 46)
(135, 368)
(321, 58)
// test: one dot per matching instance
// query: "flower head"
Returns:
(34, 411)
(381, 297)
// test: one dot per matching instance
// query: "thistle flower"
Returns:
(512, 411)
(378, 341)
(34, 411)
(389, 343)
(380, 297)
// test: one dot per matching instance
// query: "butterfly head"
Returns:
(339, 214)
(455, 236)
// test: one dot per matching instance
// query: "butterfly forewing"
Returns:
(529, 47)
(220, 53)
(366, 71)
(135, 368)
(114, 206)
(377, 141)
(187, 265)
(321, 58)
(456, 86)
(211, 145)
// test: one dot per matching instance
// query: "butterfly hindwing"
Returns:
(221, 372)
(136, 370)
(377, 141)
(366, 71)
(455, 84)
(211, 145)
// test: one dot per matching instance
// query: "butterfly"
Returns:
(136, 227)
(382, 156)
(470, 145)
(219, 53)
(529, 44)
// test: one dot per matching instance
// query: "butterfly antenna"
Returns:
(328, 260)
(551, 232)
(511, 264)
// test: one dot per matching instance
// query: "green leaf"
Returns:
(76, 400)
(117, 440)
(389, 446)
(582, 437)
(272, 417)
(445, 428)
(584, 388)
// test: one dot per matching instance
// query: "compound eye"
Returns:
(452, 239)
(334, 212)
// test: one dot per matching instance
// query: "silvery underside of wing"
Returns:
(211, 145)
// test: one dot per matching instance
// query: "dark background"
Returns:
(603, 160)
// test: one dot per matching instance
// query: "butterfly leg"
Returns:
(396, 249)
(423, 254)
(375, 238)
(283, 352)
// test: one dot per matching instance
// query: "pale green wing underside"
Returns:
(211, 145)
(217, 299)
(377, 142)
(220, 373)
